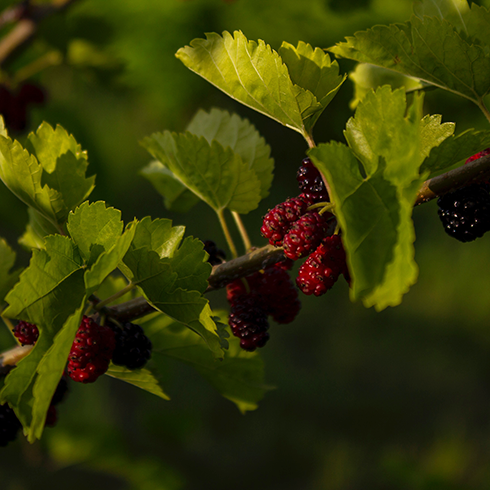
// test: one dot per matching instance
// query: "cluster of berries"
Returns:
(301, 232)
(95, 346)
(465, 212)
(308, 233)
(268, 292)
(92, 350)
(10, 424)
(14, 105)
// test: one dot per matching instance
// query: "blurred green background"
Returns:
(364, 400)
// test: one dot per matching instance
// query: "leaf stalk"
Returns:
(226, 232)
(243, 231)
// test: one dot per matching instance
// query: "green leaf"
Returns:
(313, 71)
(145, 266)
(429, 49)
(191, 309)
(477, 25)
(433, 133)
(18, 383)
(37, 229)
(109, 260)
(230, 130)
(157, 280)
(63, 161)
(51, 179)
(22, 174)
(176, 196)
(454, 11)
(368, 77)
(158, 235)
(249, 72)
(94, 229)
(191, 265)
(216, 174)
(7, 277)
(443, 149)
(239, 377)
(50, 370)
(379, 128)
(374, 185)
(50, 289)
(142, 378)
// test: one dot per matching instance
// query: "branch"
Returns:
(29, 18)
(475, 171)
(221, 275)
(263, 257)
(259, 258)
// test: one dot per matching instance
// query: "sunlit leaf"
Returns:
(94, 228)
(49, 174)
(249, 72)
(373, 185)
(313, 71)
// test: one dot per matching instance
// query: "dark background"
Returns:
(364, 400)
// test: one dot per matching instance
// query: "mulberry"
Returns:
(91, 351)
(465, 212)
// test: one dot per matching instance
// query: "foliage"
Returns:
(84, 257)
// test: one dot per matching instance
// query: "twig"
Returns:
(263, 257)
(475, 171)
(221, 275)
(260, 258)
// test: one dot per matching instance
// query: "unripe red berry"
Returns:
(91, 351)
(278, 220)
(305, 235)
(321, 270)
